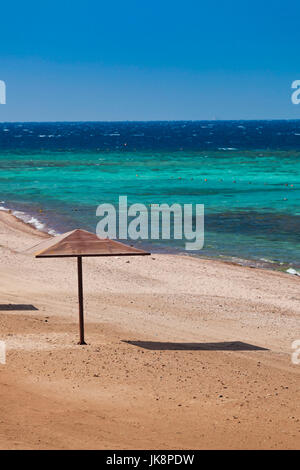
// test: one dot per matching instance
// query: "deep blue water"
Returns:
(151, 136)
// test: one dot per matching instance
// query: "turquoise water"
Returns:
(251, 197)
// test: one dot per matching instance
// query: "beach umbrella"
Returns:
(79, 243)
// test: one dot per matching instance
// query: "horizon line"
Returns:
(148, 121)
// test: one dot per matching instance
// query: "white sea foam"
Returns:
(293, 271)
(29, 219)
(268, 260)
(227, 148)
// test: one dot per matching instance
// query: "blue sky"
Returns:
(142, 60)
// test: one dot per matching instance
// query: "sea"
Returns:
(246, 173)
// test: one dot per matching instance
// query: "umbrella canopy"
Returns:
(79, 243)
(82, 243)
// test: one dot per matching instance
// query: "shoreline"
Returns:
(210, 340)
(28, 219)
(33, 221)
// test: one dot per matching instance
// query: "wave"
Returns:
(30, 220)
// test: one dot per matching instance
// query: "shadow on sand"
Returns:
(223, 346)
(17, 307)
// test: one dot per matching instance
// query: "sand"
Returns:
(182, 353)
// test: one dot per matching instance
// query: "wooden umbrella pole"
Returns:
(80, 300)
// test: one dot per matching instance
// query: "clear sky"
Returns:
(72, 60)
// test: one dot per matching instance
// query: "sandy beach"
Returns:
(182, 352)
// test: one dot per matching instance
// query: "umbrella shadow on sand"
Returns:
(221, 346)
(7, 307)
